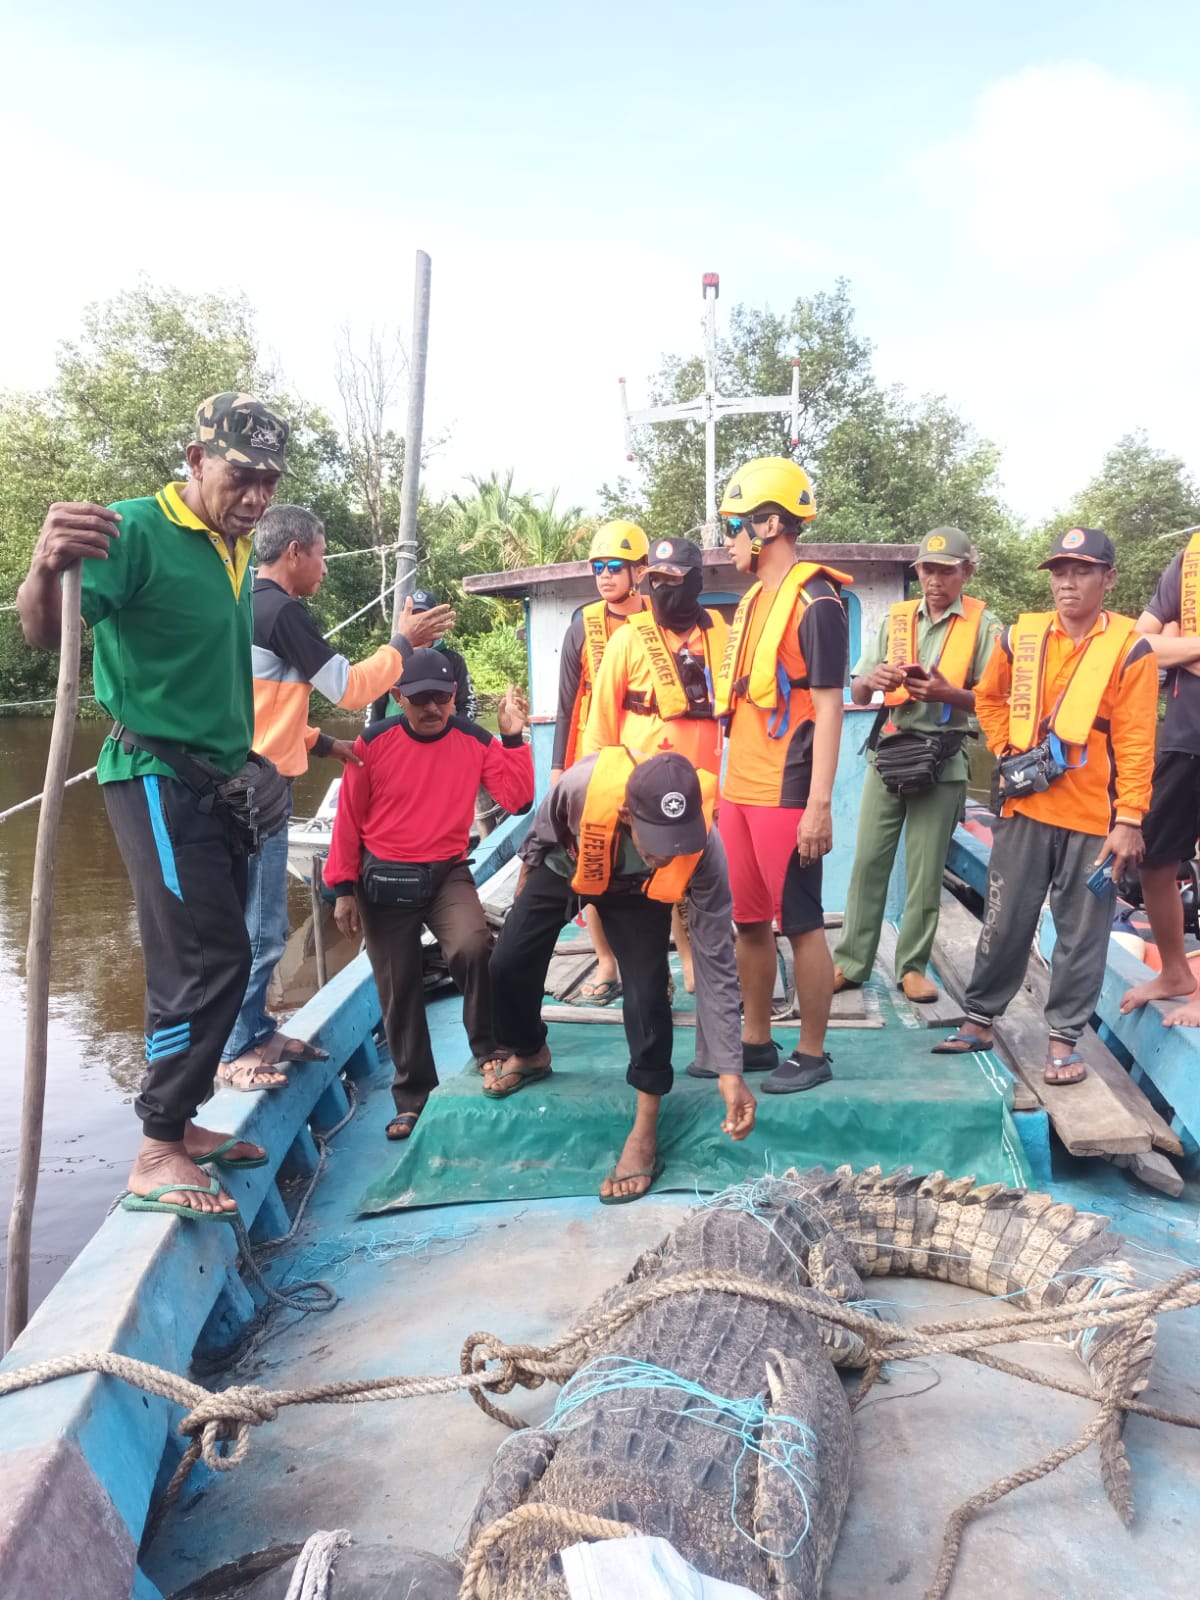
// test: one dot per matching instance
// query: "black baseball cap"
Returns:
(663, 796)
(1082, 544)
(423, 600)
(425, 670)
(676, 556)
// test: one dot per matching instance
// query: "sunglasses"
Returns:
(734, 525)
(599, 568)
(432, 697)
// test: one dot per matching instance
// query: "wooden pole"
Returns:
(406, 538)
(318, 916)
(37, 962)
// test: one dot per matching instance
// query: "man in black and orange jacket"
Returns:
(289, 660)
(1080, 684)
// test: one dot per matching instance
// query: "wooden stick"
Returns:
(37, 961)
(318, 908)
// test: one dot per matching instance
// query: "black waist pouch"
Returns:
(409, 885)
(254, 803)
(909, 763)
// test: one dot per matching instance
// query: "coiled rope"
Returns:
(489, 1366)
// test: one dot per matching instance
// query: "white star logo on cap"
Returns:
(673, 805)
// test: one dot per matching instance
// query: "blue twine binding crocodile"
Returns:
(634, 1452)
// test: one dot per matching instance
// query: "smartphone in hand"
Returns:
(915, 670)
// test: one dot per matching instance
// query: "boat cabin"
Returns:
(553, 594)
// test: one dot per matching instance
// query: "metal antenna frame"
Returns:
(710, 406)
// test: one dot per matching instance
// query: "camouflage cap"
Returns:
(242, 431)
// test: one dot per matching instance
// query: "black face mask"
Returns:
(677, 605)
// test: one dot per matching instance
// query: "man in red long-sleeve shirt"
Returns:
(397, 860)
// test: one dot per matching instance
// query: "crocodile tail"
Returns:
(1011, 1243)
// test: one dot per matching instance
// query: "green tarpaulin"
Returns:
(891, 1103)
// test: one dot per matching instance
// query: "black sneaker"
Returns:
(799, 1072)
(755, 1058)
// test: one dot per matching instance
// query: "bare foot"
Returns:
(637, 1156)
(159, 1162)
(203, 1141)
(1187, 1016)
(1167, 986)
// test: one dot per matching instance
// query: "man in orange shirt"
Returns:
(782, 685)
(1068, 701)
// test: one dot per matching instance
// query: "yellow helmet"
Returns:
(619, 541)
(769, 479)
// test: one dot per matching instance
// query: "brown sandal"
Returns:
(247, 1073)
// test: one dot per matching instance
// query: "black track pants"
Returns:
(190, 891)
(639, 931)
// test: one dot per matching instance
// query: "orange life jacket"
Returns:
(761, 686)
(1073, 715)
(599, 827)
(1189, 589)
(596, 634)
(956, 655)
(670, 699)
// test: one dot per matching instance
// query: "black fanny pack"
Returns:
(254, 802)
(412, 885)
(911, 762)
(1028, 772)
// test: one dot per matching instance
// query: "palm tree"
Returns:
(506, 529)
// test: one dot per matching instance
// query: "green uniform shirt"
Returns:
(919, 716)
(172, 618)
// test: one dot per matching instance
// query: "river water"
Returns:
(96, 1045)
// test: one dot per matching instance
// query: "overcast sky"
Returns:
(1012, 192)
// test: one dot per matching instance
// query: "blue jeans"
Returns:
(267, 925)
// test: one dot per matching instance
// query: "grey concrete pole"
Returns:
(406, 574)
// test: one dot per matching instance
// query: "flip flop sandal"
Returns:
(402, 1125)
(175, 1208)
(1073, 1060)
(958, 1044)
(305, 1051)
(654, 1173)
(219, 1159)
(244, 1073)
(523, 1079)
(603, 993)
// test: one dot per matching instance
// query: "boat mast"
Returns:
(711, 405)
(406, 538)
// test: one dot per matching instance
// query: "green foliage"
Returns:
(496, 659)
(1139, 495)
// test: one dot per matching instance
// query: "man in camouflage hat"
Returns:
(166, 589)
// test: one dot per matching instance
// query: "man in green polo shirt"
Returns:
(926, 659)
(167, 592)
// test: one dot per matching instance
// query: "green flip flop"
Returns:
(173, 1208)
(654, 1174)
(243, 1164)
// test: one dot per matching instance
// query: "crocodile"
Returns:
(644, 1456)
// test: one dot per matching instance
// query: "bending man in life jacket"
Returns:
(1068, 702)
(781, 686)
(1171, 625)
(631, 834)
(618, 562)
(928, 656)
(654, 690)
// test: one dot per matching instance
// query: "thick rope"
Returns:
(213, 1418)
(313, 1572)
(577, 1523)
